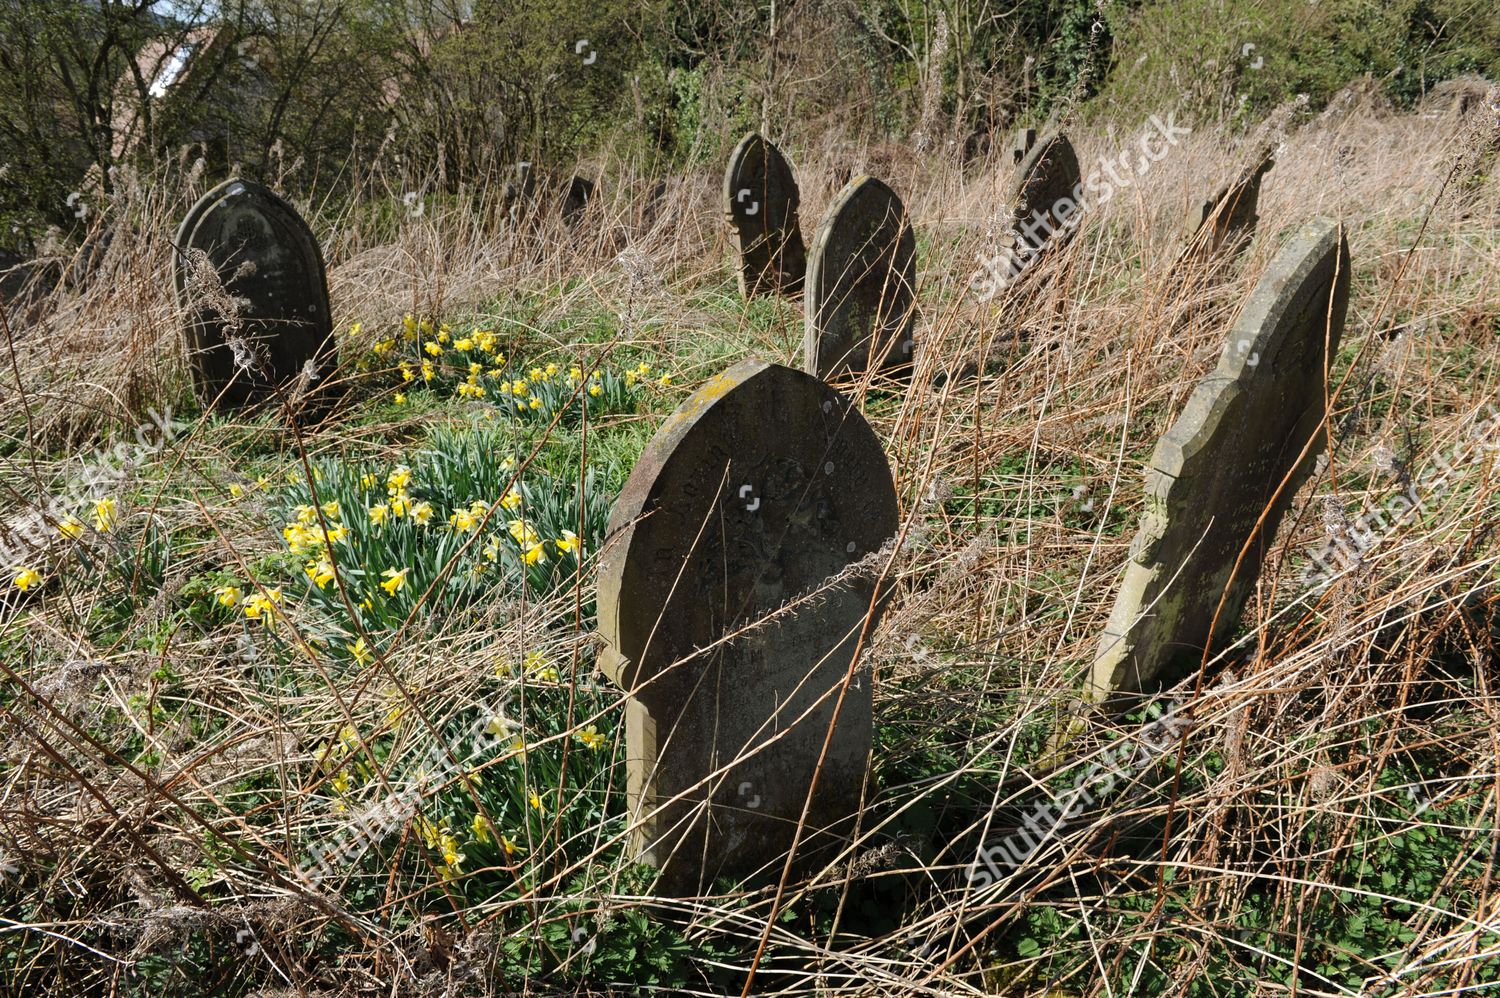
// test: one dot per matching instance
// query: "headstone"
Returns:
(1229, 217)
(760, 202)
(271, 327)
(655, 196)
(519, 194)
(723, 620)
(860, 300)
(1047, 177)
(576, 199)
(1217, 470)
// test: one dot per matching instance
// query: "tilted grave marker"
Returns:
(270, 330)
(576, 199)
(731, 618)
(760, 202)
(860, 299)
(1228, 218)
(1218, 469)
(1048, 176)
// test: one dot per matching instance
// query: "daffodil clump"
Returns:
(452, 525)
(472, 364)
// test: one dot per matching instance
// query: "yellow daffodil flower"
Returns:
(229, 596)
(25, 578)
(422, 512)
(320, 572)
(395, 578)
(104, 515)
(360, 651)
(591, 738)
(568, 542)
(70, 527)
(378, 513)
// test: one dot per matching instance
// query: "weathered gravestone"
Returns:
(860, 299)
(760, 202)
(1228, 218)
(576, 199)
(728, 620)
(1043, 192)
(266, 329)
(518, 196)
(1216, 478)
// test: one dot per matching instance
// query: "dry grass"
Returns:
(1019, 491)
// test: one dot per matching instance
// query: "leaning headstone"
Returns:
(259, 325)
(737, 588)
(1228, 218)
(576, 199)
(760, 202)
(1042, 192)
(860, 300)
(1216, 478)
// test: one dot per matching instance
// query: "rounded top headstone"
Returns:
(861, 284)
(1047, 175)
(761, 201)
(761, 486)
(269, 264)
